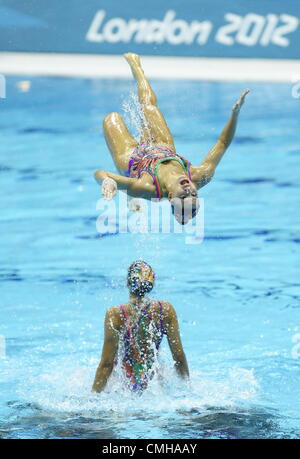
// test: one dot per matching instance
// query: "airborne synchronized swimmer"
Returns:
(151, 168)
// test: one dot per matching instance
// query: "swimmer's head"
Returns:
(184, 199)
(140, 278)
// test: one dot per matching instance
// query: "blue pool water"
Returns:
(236, 294)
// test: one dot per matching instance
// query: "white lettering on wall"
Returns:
(223, 34)
(249, 30)
(254, 29)
(170, 30)
(290, 24)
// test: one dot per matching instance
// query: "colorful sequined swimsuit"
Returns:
(147, 158)
(134, 361)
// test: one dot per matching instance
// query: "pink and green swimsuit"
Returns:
(137, 363)
(147, 158)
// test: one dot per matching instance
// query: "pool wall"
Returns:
(260, 29)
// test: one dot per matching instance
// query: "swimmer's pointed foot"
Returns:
(240, 101)
(135, 63)
(133, 59)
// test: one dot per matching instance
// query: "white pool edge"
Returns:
(115, 66)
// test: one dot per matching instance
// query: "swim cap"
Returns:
(137, 284)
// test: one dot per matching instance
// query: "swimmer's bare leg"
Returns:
(119, 141)
(155, 129)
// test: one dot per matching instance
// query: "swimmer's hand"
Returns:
(240, 101)
(109, 188)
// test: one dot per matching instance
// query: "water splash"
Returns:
(135, 117)
(133, 114)
(70, 393)
(57, 403)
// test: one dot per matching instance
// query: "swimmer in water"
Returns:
(151, 168)
(134, 331)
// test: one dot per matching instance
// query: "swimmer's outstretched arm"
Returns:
(175, 344)
(112, 182)
(202, 174)
(135, 187)
(109, 351)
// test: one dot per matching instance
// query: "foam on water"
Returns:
(62, 387)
